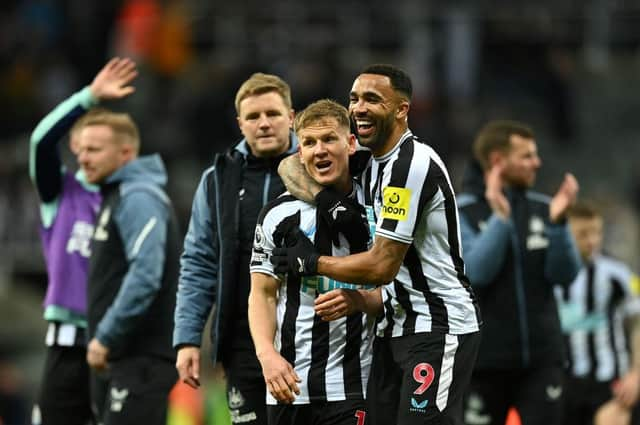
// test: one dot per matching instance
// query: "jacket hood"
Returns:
(146, 168)
(243, 146)
(473, 178)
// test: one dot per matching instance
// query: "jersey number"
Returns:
(423, 374)
(360, 414)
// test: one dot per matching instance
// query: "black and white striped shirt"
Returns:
(408, 192)
(592, 312)
(332, 358)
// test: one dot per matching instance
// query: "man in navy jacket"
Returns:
(516, 246)
(214, 267)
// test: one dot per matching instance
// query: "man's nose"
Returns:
(320, 149)
(264, 121)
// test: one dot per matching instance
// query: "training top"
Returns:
(331, 358)
(408, 192)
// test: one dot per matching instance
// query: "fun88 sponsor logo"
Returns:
(321, 284)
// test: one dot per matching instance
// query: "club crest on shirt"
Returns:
(395, 203)
(536, 238)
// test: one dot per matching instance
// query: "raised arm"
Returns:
(111, 82)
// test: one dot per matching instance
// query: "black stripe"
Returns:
(402, 296)
(617, 296)
(589, 309)
(319, 359)
(288, 328)
(320, 331)
(437, 309)
(366, 182)
(376, 191)
(399, 176)
(272, 204)
(388, 315)
(351, 368)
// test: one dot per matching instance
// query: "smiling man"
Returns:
(315, 371)
(428, 338)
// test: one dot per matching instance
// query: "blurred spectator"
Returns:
(516, 246)
(603, 365)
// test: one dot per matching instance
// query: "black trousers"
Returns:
(135, 390)
(537, 394)
(64, 397)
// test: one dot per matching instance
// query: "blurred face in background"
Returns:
(521, 162)
(265, 121)
(100, 154)
(324, 149)
(587, 232)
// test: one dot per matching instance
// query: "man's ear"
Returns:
(351, 144)
(292, 116)
(403, 110)
(496, 158)
(128, 152)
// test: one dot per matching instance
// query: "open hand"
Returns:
(564, 198)
(112, 81)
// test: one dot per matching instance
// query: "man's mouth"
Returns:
(323, 165)
(365, 127)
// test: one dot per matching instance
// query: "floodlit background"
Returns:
(571, 69)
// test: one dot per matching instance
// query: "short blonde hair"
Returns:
(125, 130)
(319, 111)
(79, 124)
(260, 83)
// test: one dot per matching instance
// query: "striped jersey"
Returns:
(332, 358)
(409, 195)
(592, 312)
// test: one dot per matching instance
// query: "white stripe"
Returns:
(143, 235)
(50, 339)
(446, 370)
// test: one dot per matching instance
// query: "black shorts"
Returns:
(138, 390)
(537, 394)
(347, 412)
(246, 397)
(64, 396)
(420, 378)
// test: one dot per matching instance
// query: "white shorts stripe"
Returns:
(446, 371)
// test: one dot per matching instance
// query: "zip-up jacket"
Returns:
(68, 206)
(133, 270)
(209, 262)
(512, 267)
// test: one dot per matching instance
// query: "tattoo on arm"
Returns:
(296, 179)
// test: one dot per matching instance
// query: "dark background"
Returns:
(568, 68)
